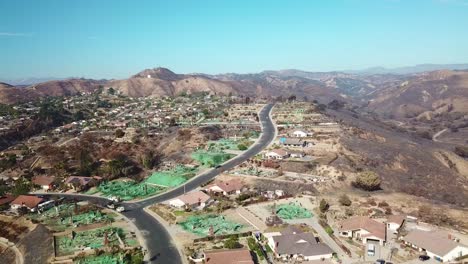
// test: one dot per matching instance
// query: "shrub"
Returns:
(324, 206)
(368, 181)
(341, 178)
(371, 202)
(461, 151)
(232, 243)
(344, 200)
(242, 147)
(383, 204)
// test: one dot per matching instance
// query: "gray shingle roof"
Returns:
(302, 244)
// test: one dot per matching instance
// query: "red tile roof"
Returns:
(232, 256)
(27, 200)
(43, 180)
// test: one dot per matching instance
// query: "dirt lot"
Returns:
(37, 245)
(399, 203)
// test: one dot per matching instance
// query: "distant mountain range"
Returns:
(399, 95)
(29, 81)
(411, 69)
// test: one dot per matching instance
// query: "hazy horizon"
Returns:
(46, 78)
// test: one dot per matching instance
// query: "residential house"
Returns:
(277, 154)
(229, 256)
(293, 142)
(274, 194)
(394, 222)
(436, 244)
(300, 133)
(194, 200)
(29, 201)
(81, 182)
(296, 154)
(293, 243)
(233, 186)
(363, 228)
(45, 182)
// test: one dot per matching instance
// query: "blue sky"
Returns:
(114, 39)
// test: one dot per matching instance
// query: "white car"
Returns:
(120, 209)
(114, 199)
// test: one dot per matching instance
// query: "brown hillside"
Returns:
(163, 82)
(437, 92)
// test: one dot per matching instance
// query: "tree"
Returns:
(344, 200)
(321, 107)
(292, 98)
(150, 159)
(242, 147)
(3, 187)
(368, 181)
(86, 162)
(119, 133)
(21, 187)
(324, 206)
(111, 91)
(232, 242)
(461, 151)
(336, 104)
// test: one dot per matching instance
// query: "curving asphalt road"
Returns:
(158, 240)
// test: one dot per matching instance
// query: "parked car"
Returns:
(380, 261)
(110, 205)
(120, 209)
(424, 257)
(114, 199)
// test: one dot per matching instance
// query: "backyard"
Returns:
(173, 177)
(64, 216)
(201, 225)
(128, 189)
(91, 239)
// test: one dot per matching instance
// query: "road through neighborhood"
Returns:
(159, 244)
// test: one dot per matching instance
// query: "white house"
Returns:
(394, 222)
(274, 194)
(194, 200)
(293, 243)
(437, 244)
(233, 186)
(277, 154)
(364, 229)
(300, 133)
(29, 201)
(297, 154)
